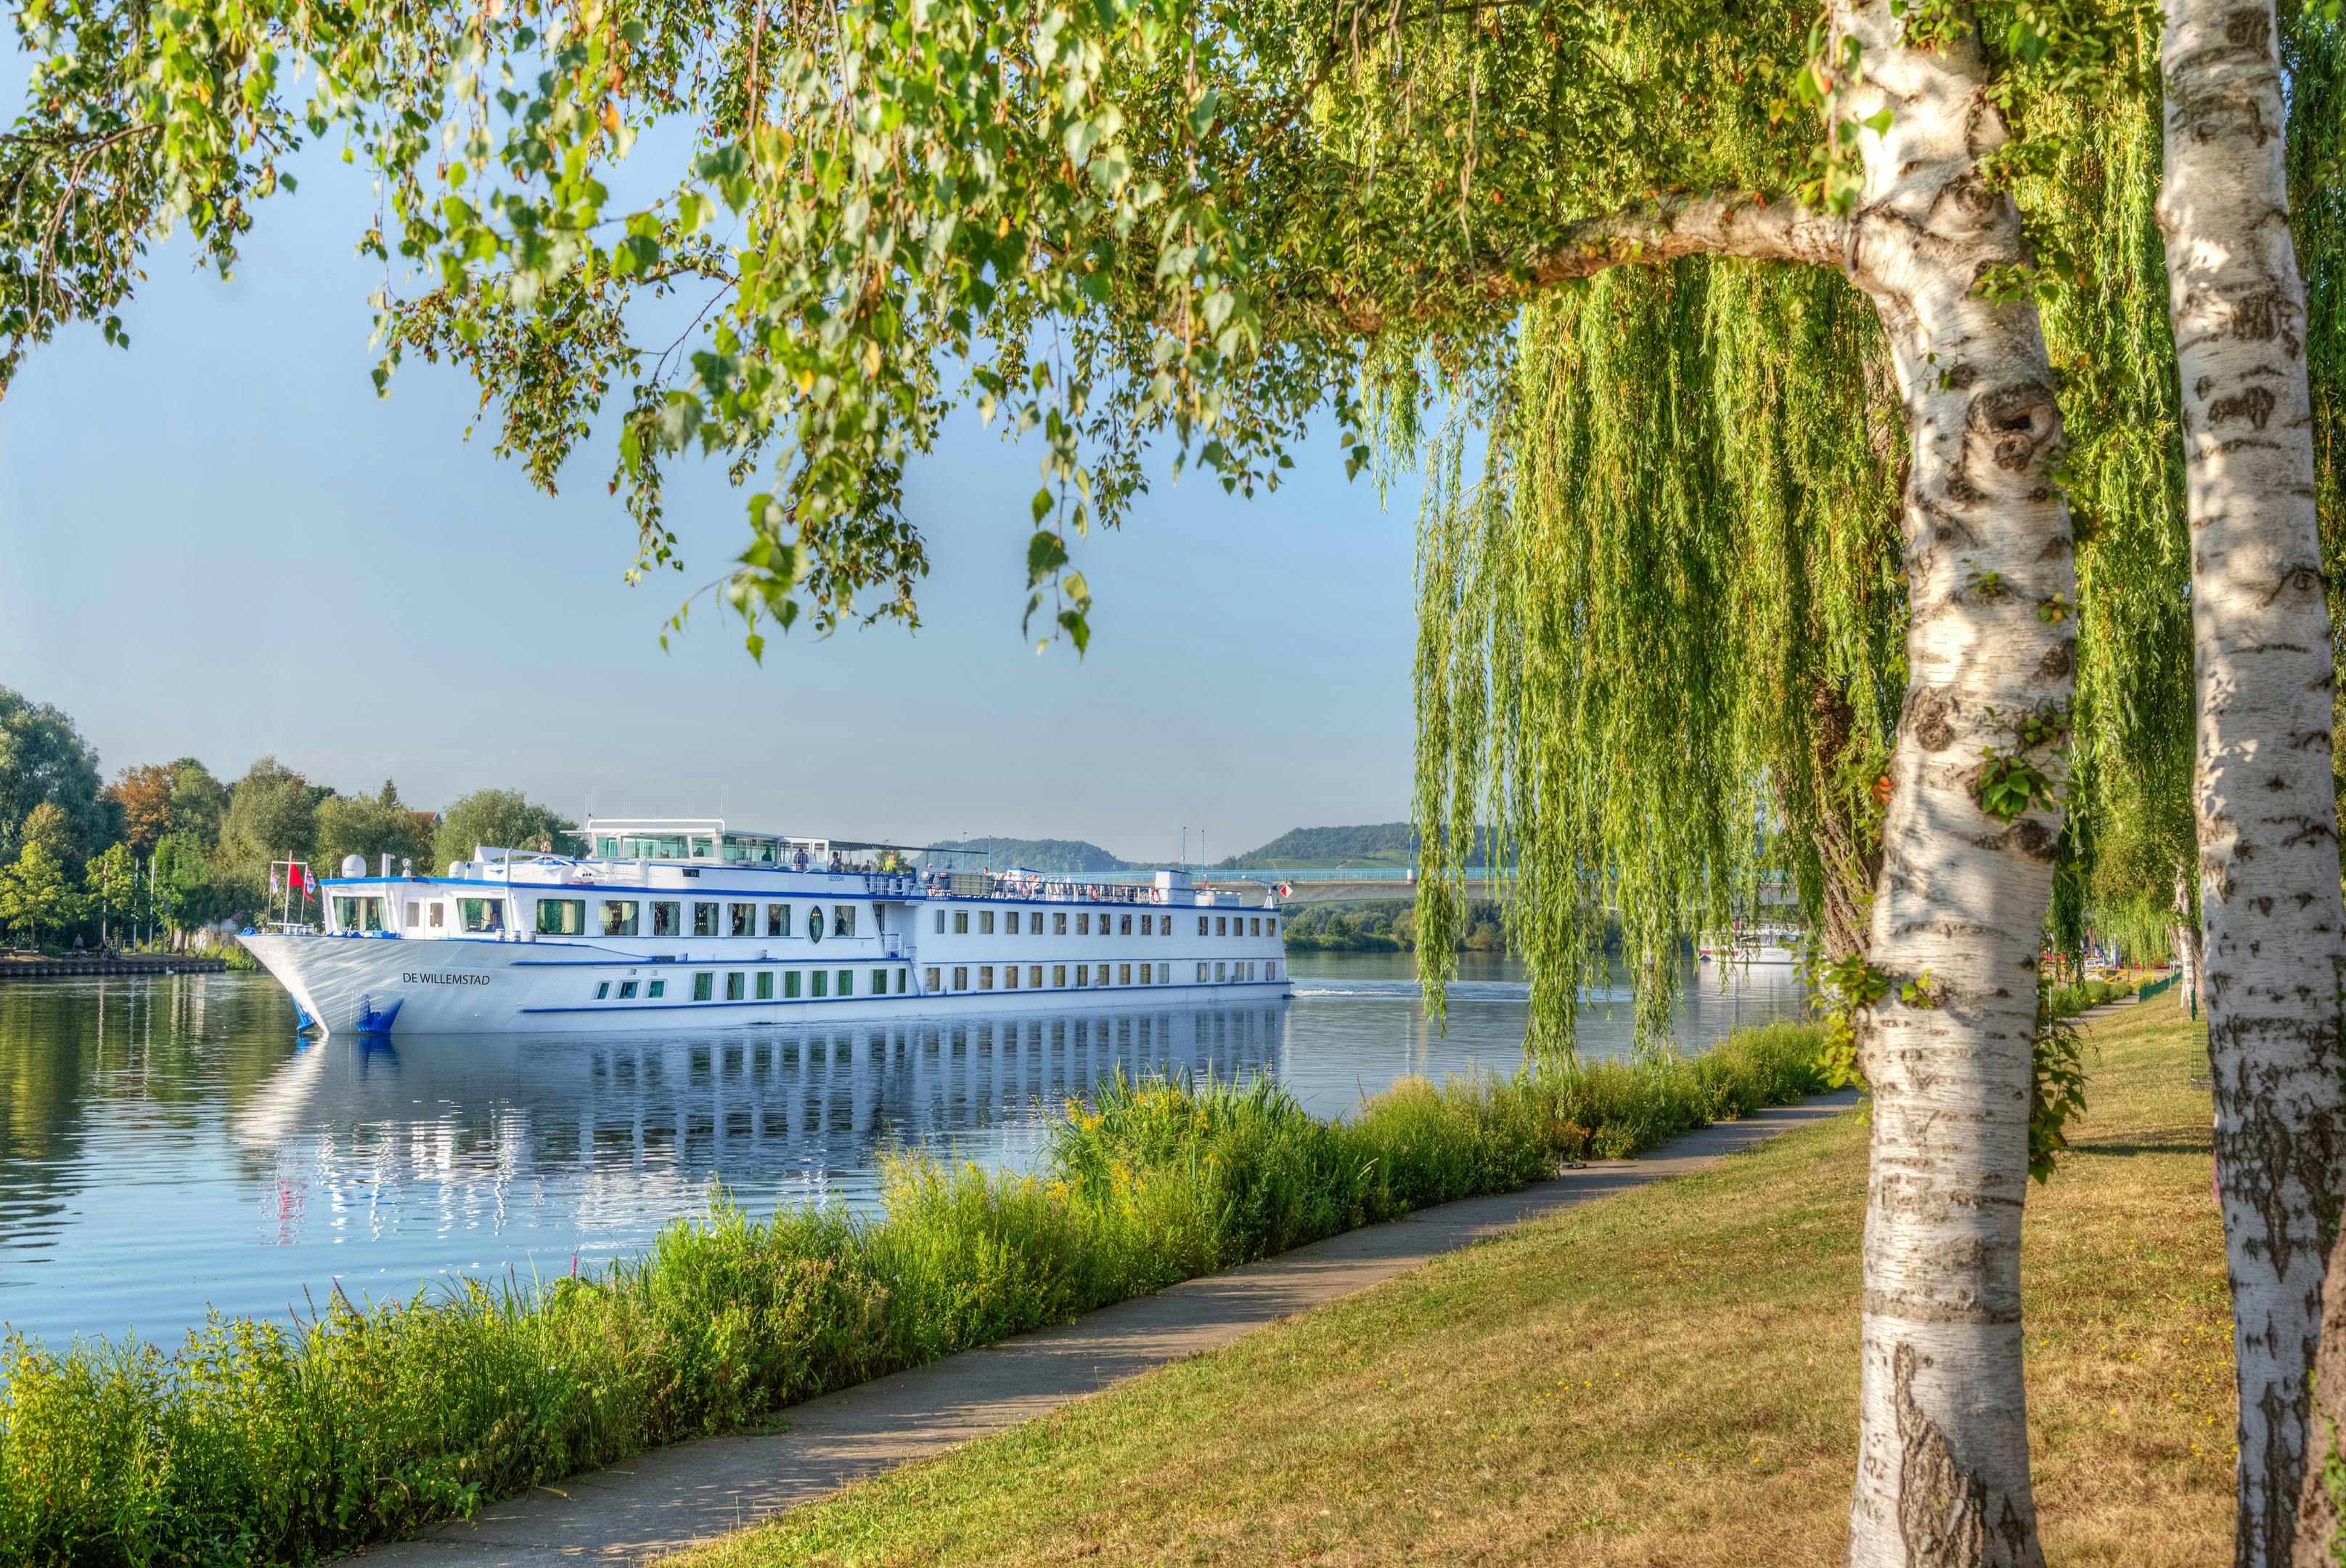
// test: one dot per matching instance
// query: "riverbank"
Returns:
(368, 1423)
(1666, 1377)
(42, 966)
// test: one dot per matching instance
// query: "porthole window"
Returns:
(814, 924)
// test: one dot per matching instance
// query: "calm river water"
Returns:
(170, 1145)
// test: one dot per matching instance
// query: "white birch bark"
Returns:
(1943, 1462)
(1960, 904)
(2275, 934)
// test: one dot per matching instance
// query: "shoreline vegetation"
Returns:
(254, 1442)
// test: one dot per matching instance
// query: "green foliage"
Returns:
(371, 827)
(2011, 785)
(1659, 491)
(255, 1444)
(37, 891)
(113, 882)
(43, 758)
(273, 815)
(500, 819)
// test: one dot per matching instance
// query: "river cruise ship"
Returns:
(665, 924)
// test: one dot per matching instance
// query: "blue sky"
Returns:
(221, 544)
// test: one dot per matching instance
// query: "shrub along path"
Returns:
(674, 1497)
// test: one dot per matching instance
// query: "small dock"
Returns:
(28, 966)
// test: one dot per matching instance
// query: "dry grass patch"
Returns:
(1665, 1377)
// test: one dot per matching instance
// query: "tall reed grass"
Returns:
(254, 1442)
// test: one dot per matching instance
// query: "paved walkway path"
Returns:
(670, 1498)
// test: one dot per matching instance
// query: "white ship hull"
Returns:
(385, 985)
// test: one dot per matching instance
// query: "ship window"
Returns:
(1220, 971)
(621, 917)
(986, 923)
(1254, 926)
(626, 989)
(1274, 925)
(665, 918)
(931, 979)
(744, 921)
(777, 920)
(602, 990)
(765, 985)
(439, 914)
(902, 975)
(1101, 979)
(814, 923)
(961, 922)
(1148, 925)
(415, 916)
(960, 978)
(842, 919)
(607, 846)
(1034, 975)
(704, 986)
(822, 982)
(1083, 925)
(1009, 977)
(657, 988)
(1124, 974)
(879, 982)
(561, 917)
(1201, 971)
(704, 920)
(1201, 931)
(1222, 925)
(1270, 968)
(1058, 923)
(1058, 975)
(482, 914)
(847, 983)
(1082, 975)
(1010, 923)
(940, 923)
(736, 986)
(986, 977)
(790, 984)
(1123, 925)
(1144, 975)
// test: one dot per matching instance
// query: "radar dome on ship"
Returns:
(354, 865)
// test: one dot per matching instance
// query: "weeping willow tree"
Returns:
(1659, 619)
(1761, 557)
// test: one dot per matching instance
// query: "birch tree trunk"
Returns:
(2274, 949)
(1943, 1458)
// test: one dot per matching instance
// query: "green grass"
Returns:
(255, 1444)
(1665, 1377)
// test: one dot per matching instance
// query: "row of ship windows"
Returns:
(739, 982)
(614, 917)
(758, 986)
(1109, 924)
(1093, 975)
(624, 917)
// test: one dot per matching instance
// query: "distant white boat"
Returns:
(1762, 946)
(666, 924)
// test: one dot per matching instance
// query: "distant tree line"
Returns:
(168, 849)
(1386, 926)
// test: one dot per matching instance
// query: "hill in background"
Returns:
(1368, 844)
(1371, 844)
(1073, 857)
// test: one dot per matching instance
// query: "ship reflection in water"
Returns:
(589, 1141)
(169, 1144)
